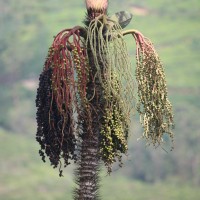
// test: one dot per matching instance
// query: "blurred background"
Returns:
(26, 32)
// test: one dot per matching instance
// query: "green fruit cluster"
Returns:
(154, 107)
(113, 133)
(114, 129)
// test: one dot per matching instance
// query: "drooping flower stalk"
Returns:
(113, 69)
(60, 95)
(154, 108)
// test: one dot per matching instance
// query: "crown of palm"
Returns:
(97, 4)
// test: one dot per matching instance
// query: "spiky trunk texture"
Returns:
(88, 170)
(87, 173)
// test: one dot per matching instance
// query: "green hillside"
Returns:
(24, 176)
(26, 31)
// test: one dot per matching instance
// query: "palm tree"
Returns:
(86, 92)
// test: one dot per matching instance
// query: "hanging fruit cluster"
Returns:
(57, 99)
(154, 108)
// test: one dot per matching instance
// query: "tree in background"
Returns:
(86, 93)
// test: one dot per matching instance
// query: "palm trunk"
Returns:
(87, 173)
(88, 168)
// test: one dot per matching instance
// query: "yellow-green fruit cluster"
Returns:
(114, 133)
(154, 107)
(81, 67)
